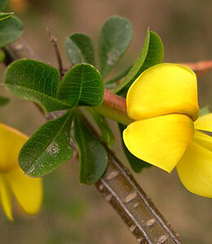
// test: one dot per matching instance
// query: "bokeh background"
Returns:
(77, 214)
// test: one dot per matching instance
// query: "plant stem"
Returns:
(114, 107)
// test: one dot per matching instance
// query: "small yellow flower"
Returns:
(27, 191)
(167, 131)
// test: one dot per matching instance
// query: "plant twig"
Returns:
(53, 40)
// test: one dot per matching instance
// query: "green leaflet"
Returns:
(48, 147)
(36, 82)
(81, 85)
(79, 49)
(10, 30)
(114, 40)
(93, 156)
(151, 54)
(136, 164)
(3, 5)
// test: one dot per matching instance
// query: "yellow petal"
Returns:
(203, 140)
(163, 89)
(28, 191)
(11, 142)
(5, 197)
(160, 141)
(204, 122)
(195, 170)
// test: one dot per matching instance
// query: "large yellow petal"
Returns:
(5, 197)
(11, 142)
(195, 170)
(204, 122)
(203, 140)
(28, 191)
(160, 141)
(163, 89)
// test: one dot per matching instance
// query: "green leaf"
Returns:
(114, 40)
(10, 30)
(93, 156)
(79, 49)
(82, 85)
(136, 164)
(4, 16)
(36, 82)
(4, 101)
(3, 5)
(106, 133)
(2, 56)
(48, 147)
(151, 54)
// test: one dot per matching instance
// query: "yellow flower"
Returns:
(27, 191)
(166, 131)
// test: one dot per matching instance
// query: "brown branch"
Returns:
(120, 189)
(53, 40)
(145, 222)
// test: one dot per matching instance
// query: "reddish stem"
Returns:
(114, 107)
(201, 67)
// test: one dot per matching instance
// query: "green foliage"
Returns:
(106, 133)
(151, 54)
(2, 56)
(48, 147)
(36, 82)
(40, 83)
(114, 40)
(3, 5)
(10, 30)
(136, 164)
(4, 16)
(81, 85)
(4, 101)
(93, 156)
(79, 49)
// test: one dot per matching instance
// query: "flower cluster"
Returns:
(166, 131)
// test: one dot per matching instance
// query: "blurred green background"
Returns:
(77, 214)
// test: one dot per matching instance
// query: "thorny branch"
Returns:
(118, 186)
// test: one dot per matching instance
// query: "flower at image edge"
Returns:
(166, 131)
(26, 190)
